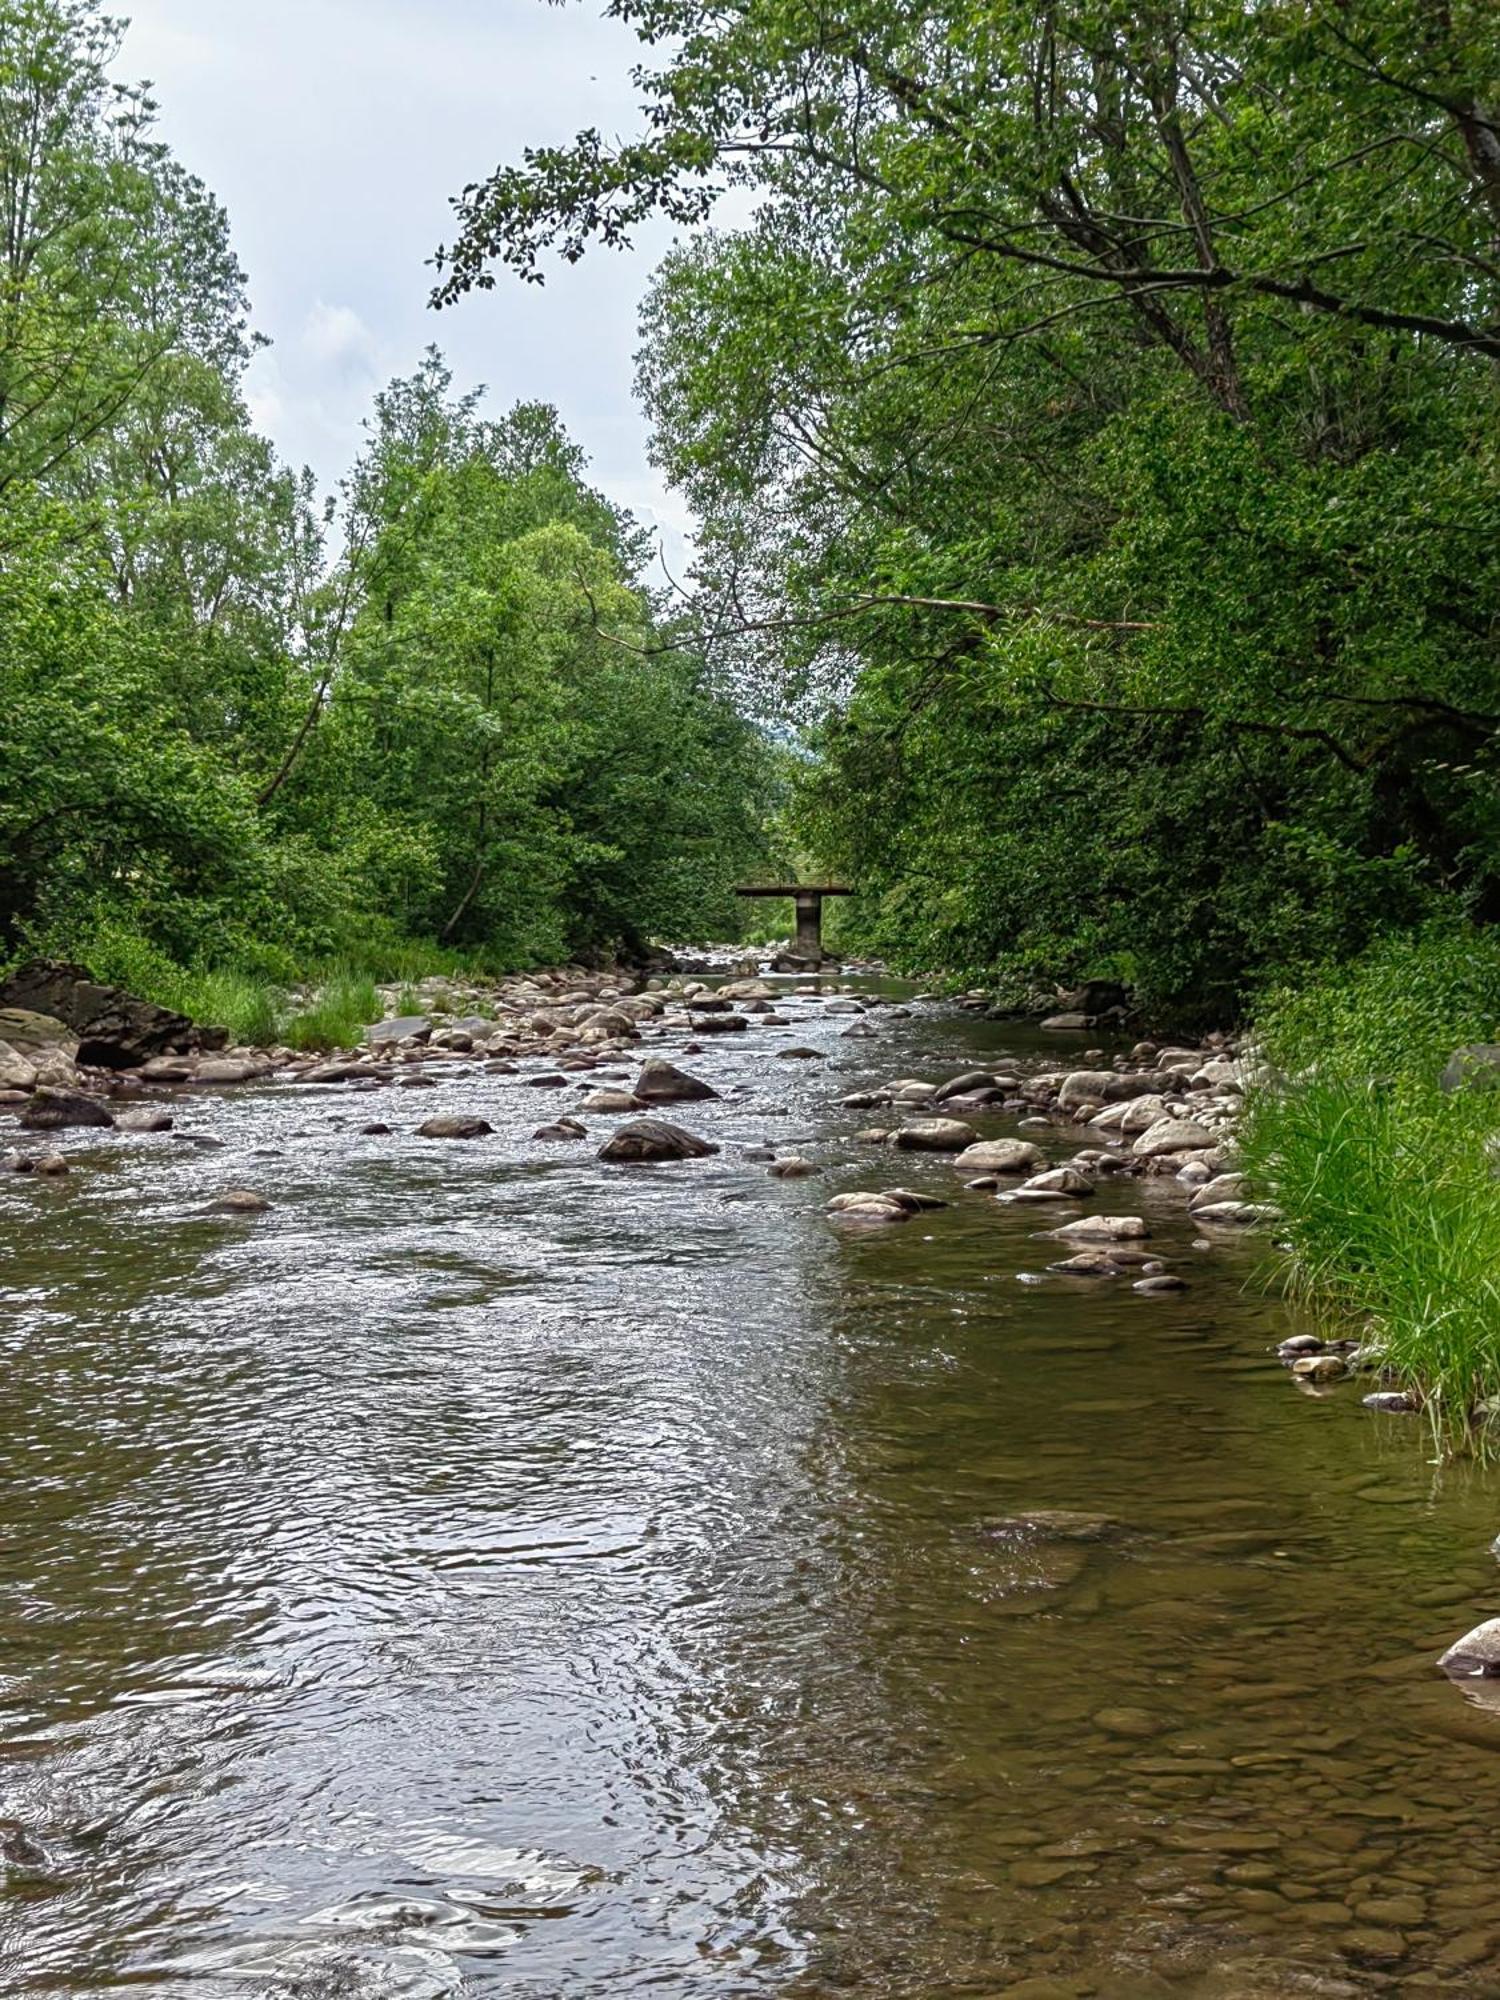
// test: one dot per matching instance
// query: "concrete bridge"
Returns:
(808, 897)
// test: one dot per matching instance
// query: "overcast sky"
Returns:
(335, 132)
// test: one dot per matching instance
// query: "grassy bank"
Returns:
(1388, 1182)
(321, 1005)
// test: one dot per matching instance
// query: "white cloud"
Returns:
(335, 132)
(336, 338)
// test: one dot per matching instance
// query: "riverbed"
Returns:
(491, 1572)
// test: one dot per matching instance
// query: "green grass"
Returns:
(1393, 1216)
(1387, 1183)
(252, 1011)
(345, 1006)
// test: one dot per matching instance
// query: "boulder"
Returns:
(1236, 1214)
(869, 1208)
(791, 1168)
(1086, 1086)
(16, 1073)
(565, 1128)
(228, 1069)
(720, 1024)
(1001, 1156)
(936, 1135)
(51, 1110)
(615, 1101)
(402, 1028)
(31, 1034)
(1104, 1228)
(1477, 1652)
(141, 1118)
(1061, 1023)
(114, 1029)
(1320, 1368)
(1066, 1181)
(455, 1126)
(661, 1082)
(1172, 1135)
(652, 1139)
(964, 1086)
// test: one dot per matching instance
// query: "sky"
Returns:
(335, 132)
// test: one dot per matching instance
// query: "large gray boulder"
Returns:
(661, 1082)
(114, 1029)
(646, 1140)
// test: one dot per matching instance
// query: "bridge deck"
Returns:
(794, 889)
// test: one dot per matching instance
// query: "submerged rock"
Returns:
(647, 1140)
(1052, 1524)
(793, 1168)
(239, 1201)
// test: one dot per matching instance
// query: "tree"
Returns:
(1093, 428)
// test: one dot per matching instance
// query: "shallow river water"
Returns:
(493, 1573)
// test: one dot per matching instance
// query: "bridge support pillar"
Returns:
(809, 938)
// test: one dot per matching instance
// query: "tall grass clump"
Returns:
(1387, 1182)
(343, 1006)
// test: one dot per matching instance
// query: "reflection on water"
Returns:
(491, 1573)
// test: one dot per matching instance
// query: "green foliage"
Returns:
(1387, 1183)
(1093, 432)
(438, 726)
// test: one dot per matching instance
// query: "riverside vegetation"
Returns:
(254, 739)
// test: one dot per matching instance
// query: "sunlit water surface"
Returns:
(493, 1573)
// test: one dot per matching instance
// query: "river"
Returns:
(495, 1573)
